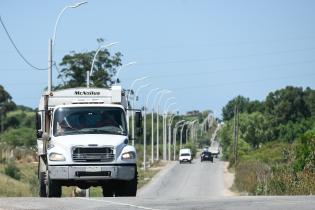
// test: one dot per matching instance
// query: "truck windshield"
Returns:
(89, 120)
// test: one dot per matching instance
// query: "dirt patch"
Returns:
(228, 181)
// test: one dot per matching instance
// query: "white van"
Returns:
(185, 156)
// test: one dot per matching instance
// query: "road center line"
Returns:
(118, 203)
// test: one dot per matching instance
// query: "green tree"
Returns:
(228, 110)
(75, 65)
(243, 105)
(19, 137)
(6, 103)
(286, 105)
(305, 152)
(310, 100)
(19, 118)
(254, 129)
(291, 131)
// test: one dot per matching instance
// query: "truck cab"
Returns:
(83, 141)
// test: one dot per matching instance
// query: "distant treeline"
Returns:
(276, 142)
(17, 123)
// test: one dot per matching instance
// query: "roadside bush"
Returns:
(193, 147)
(19, 137)
(305, 152)
(285, 181)
(251, 177)
(12, 170)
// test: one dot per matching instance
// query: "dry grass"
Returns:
(28, 183)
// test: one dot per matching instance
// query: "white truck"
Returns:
(82, 140)
(185, 155)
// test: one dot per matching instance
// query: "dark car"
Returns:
(206, 155)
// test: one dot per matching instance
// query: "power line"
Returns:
(241, 82)
(188, 74)
(61, 76)
(193, 60)
(18, 51)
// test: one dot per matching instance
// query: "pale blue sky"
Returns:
(205, 51)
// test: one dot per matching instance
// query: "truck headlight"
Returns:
(56, 157)
(128, 156)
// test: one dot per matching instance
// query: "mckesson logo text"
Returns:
(86, 93)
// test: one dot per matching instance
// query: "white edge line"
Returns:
(117, 203)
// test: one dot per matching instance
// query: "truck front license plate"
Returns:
(93, 169)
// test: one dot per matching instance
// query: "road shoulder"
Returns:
(228, 180)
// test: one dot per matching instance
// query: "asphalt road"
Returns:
(199, 179)
(220, 203)
(187, 186)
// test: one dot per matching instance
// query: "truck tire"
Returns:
(108, 189)
(127, 188)
(42, 185)
(53, 187)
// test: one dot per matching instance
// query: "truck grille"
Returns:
(93, 154)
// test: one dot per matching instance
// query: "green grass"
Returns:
(270, 153)
(28, 184)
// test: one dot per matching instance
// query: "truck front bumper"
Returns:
(92, 172)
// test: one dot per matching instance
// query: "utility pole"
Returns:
(169, 138)
(152, 136)
(237, 129)
(164, 136)
(236, 125)
(144, 138)
(157, 133)
(2, 118)
(50, 57)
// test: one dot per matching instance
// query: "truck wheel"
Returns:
(127, 188)
(53, 187)
(108, 189)
(42, 185)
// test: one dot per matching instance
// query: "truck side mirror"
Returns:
(39, 134)
(138, 122)
(138, 119)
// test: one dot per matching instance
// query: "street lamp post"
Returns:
(152, 120)
(181, 134)
(51, 43)
(89, 73)
(154, 102)
(133, 116)
(187, 130)
(128, 104)
(190, 126)
(157, 121)
(193, 132)
(165, 130)
(165, 110)
(121, 67)
(170, 135)
(145, 127)
(174, 136)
